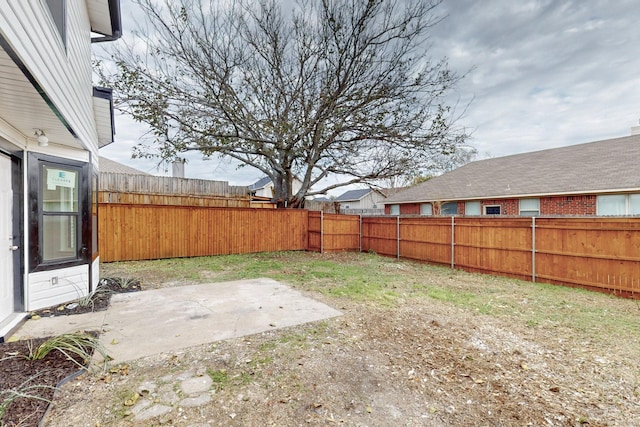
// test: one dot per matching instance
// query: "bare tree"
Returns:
(324, 87)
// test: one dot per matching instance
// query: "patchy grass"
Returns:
(417, 345)
(364, 277)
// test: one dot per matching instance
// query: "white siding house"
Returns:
(52, 122)
(367, 201)
(264, 187)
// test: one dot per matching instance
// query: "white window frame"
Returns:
(394, 209)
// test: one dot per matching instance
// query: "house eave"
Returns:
(109, 27)
(103, 111)
(36, 108)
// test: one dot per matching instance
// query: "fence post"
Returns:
(321, 232)
(533, 249)
(360, 235)
(398, 237)
(453, 250)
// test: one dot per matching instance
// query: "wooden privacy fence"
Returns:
(137, 232)
(333, 232)
(597, 253)
(161, 190)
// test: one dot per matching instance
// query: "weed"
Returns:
(219, 377)
(262, 361)
(244, 378)
(298, 340)
(125, 398)
(268, 346)
(26, 390)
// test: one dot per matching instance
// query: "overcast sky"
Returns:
(541, 74)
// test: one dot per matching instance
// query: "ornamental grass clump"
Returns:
(78, 347)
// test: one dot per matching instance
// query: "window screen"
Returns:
(426, 209)
(634, 204)
(615, 204)
(529, 207)
(472, 208)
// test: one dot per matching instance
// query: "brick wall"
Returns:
(568, 205)
(461, 207)
(583, 205)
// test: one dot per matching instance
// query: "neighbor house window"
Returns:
(58, 10)
(449, 208)
(394, 209)
(529, 207)
(634, 204)
(618, 204)
(472, 208)
(426, 209)
(492, 210)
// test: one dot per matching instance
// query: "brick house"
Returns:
(597, 178)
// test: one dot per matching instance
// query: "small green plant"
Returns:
(78, 345)
(126, 282)
(26, 390)
(112, 284)
(219, 377)
(88, 300)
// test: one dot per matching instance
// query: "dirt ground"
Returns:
(416, 362)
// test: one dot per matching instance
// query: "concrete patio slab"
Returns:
(144, 323)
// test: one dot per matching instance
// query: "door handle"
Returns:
(14, 248)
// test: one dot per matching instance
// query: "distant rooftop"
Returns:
(108, 165)
(353, 195)
(596, 167)
(262, 182)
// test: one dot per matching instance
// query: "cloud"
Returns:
(541, 74)
(547, 73)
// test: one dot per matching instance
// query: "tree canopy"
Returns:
(306, 89)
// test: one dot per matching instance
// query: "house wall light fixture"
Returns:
(43, 140)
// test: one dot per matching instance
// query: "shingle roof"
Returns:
(262, 182)
(108, 165)
(352, 195)
(595, 167)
